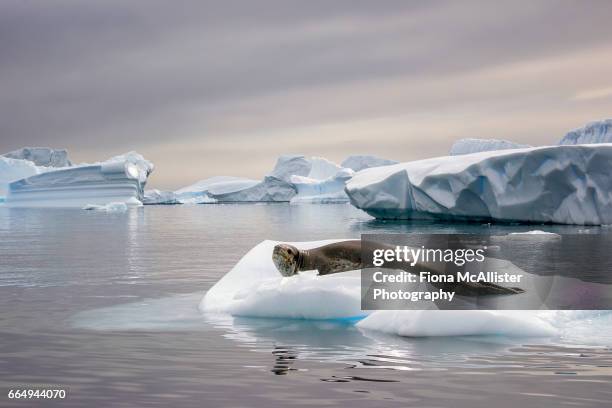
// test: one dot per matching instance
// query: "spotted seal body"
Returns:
(346, 256)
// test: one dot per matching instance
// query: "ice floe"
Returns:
(42, 156)
(254, 288)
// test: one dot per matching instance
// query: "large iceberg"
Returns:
(119, 179)
(362, 161)
(254, 288)
(42, 156)
(594, 132)
(555, 184)
(468, 146)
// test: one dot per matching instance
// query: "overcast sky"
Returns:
(222, 88)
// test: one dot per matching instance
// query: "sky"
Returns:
(223, 88)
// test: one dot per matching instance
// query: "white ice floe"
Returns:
(534, 234)
(557, 184)
(364, 161)
(42, 156)
(119, 179)
(594, 132)
(254, 288)
(468, 146)
(270, 189)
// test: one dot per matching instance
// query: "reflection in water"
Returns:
(284, 357)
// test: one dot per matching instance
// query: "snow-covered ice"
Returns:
(363, 161)
(271, 189)
(42, 156)
(468, 146)
(593, 132)
(119, 179)
(117, 206)
(556, 184)
(254, 288)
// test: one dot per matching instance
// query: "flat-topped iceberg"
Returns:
(468, 146)
(119, 179)
(42, 156)
(594, 132)
(555, 184)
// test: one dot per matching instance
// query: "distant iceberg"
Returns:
(468, 146)
(42, 156)
(159, 197)
(119, 179)
(555, 184)
(594, 132)
(360, 162)
(295, 179)
(203, 191)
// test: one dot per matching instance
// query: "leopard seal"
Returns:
(346, 256)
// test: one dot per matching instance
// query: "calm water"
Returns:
(105, 304)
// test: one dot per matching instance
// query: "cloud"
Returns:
(221, 79)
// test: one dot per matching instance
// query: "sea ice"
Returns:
(159, 197)
(556, 184)
(15, 169)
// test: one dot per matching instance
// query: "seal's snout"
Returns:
(285, 258)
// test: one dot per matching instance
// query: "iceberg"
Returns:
(42, 156)
(360, 162)
(202, 191)
(327, 191)
(119, 179)
(158, 197)
(594, 132)
(271, 189)
(468, 146)
(290, 165)
(554, 184)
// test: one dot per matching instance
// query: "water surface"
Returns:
(106, 305)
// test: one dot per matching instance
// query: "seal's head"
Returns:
(285, 258)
